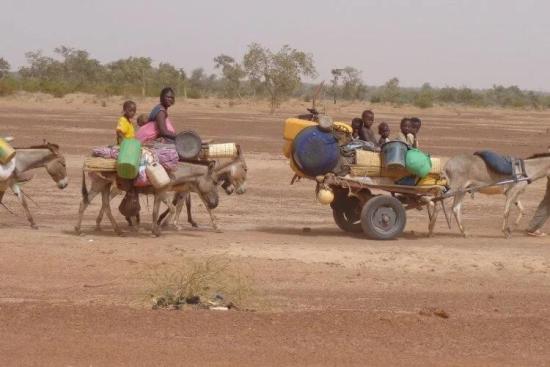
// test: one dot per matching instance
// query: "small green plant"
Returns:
(213, 282)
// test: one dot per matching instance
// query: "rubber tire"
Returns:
(370, 208)
(342, 222)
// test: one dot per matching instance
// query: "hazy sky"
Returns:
(474, 43)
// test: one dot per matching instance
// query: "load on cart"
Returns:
(368, 189)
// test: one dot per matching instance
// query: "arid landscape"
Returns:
(317, 296)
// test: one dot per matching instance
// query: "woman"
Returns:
(159, 125)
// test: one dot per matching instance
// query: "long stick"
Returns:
(447, 218)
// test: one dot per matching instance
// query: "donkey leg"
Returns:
(511, 197)
(211, 214)
(155, 227)
(171, 210)
(106, 206)
(17, 191)
(83, 205)
(457, 211)
(114, 193)
(521, 213)
(188, 207)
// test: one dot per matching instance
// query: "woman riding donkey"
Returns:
(159, 126)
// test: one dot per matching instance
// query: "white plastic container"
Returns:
(157, 175)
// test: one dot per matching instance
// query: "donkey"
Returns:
(469, 172)
(186, 177)
(230, 174)
(46, 155)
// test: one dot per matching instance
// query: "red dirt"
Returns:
(321, 297)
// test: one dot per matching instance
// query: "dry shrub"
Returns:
(212, 282)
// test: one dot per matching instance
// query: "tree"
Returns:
(79, 70)
(4, 68)
(336, 74)
(167, 75)
(41, 67)
(232, 73)
(133, 71)
(390, 91)
(424, 98)
(183, 79)
(279, 73)
(352, 83)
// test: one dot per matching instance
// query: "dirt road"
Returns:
(321, 297)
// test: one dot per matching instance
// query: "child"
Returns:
(125, 128)
(368, 119)
(356, 125)
(406, 135)
(416, 124)
(142, 119)
(384, 131)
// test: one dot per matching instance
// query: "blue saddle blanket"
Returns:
(496, 162)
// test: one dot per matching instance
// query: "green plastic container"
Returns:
(418, 163)
(129, 157)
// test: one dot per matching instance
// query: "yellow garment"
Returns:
(126, 127)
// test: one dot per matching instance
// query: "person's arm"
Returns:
(163, 129)
(119, 136)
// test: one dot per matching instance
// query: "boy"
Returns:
(416, 123)
(368, 119)
(384, 131)
(125, 128)
(406, 135)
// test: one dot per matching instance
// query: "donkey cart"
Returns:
(377, 209)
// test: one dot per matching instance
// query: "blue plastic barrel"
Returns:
(315, 152)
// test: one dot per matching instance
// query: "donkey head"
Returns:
(56, 166)
(232, 175)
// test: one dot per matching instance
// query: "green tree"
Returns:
(352, 83)
(279, 73)
(132, 72)
(391, 92)
(425, 97)
(336, 75)
(79, 71)
(4, 68)
(232, 73)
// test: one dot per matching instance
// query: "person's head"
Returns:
(142, 119)
(368, 118)
(356, 123)
(405, 125)
(384, 130)
(167, 97)
(416, 123)
(129, 109)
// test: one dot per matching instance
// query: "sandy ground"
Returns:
(320, 298)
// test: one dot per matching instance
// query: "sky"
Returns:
(472, 43)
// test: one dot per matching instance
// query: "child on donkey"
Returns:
(125, 127)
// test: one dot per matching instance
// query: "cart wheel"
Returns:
(346, 221)
(383, 218)
(347, 214)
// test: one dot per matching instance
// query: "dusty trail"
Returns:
(322, 297)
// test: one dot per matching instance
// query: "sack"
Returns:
(129, 206)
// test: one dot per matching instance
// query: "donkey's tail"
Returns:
(84, 189)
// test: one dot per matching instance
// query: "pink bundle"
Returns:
(105, 152)
(168, 157)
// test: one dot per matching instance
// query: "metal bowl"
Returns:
(188, 145)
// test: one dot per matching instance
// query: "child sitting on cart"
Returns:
(384, 132)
